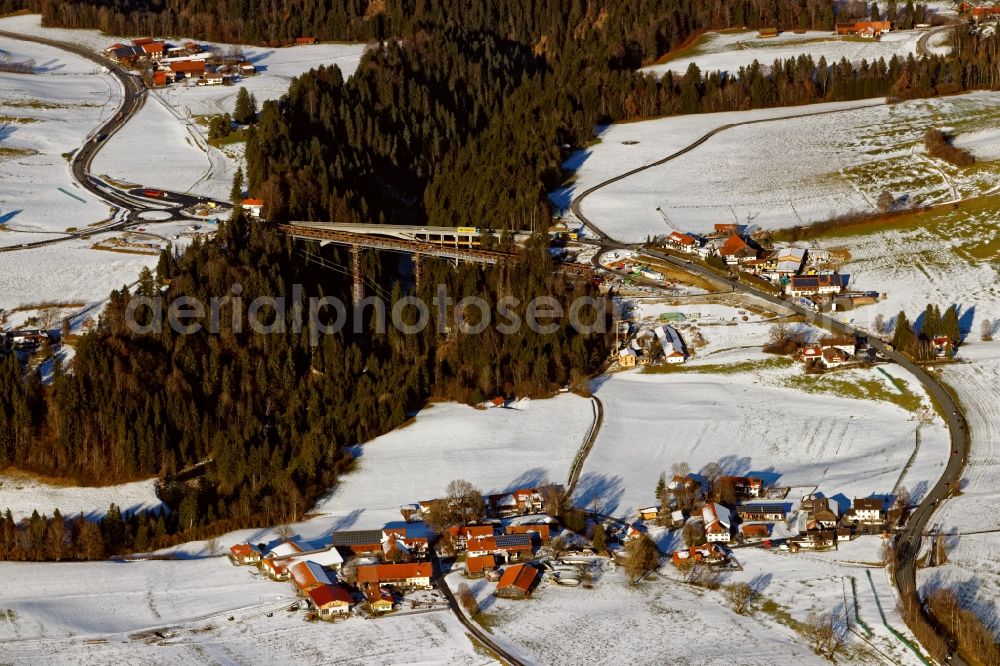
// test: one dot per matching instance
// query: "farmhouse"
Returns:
(511, 547)
(301, 41)
(810, 285)
(380, 600)
(717, 523)
(767, 32)
(814, 540)
(541, 531)
(405, 575)
(833, 357)
(707, 553)
(627, 358)
(330, 600)
(810, 353)
(397, 537)
(869, 29)
(462, 535)
(736, 250)
(746, 487)
(187, 69)
(476, 567)
(275, 562)
(821, 515)
(308, 575)
(649, 513)
(244, 553)
(359, 542)
(867, 510)
(683, 242)
(519, 502)
(154, 50)
(517, 581)
(755, 531)
(762, 511)
(683, 490)
(671, 344)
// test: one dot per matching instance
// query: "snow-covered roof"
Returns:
(285, 549)
(327, 558)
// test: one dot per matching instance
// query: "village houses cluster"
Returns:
(163, 63)
(797, 272)
(743, 510)
(377, 568)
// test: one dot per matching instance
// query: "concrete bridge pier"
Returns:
(358, 288)
(418, 269)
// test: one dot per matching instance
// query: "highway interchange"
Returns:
(132, 202)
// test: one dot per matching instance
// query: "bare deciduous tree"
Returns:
(885, 201)
(643, 558)
(740, 596)
(694, 533)
(703, 575)
(468, 599)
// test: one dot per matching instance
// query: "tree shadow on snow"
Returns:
(602, 491)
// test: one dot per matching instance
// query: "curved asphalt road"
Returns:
(133, 201)
(908, 542)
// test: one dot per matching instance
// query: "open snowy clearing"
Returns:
(752, 421)
(729, 51)
(786, 172)
(67, 272)
(23, 496)
(618, 616)
(205, 611)
(51, 113)
(495, 449)
(974, 559)
(184, 162)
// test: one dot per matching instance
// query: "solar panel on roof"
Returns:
(509, 540)
(356, 537)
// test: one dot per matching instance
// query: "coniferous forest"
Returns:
(462, 117)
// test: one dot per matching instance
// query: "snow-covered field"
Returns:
(974, 559)
(23, 495)
(784, 172)
(197, 612)
(948, 259)
(729, 51)
(53, 112)
(66, 272)
(496, 450)
(751, 421)
(619, 617)
(184, 162)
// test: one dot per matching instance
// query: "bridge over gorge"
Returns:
(455, 243)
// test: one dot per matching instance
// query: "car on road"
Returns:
(101, 137)
(153, 193)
